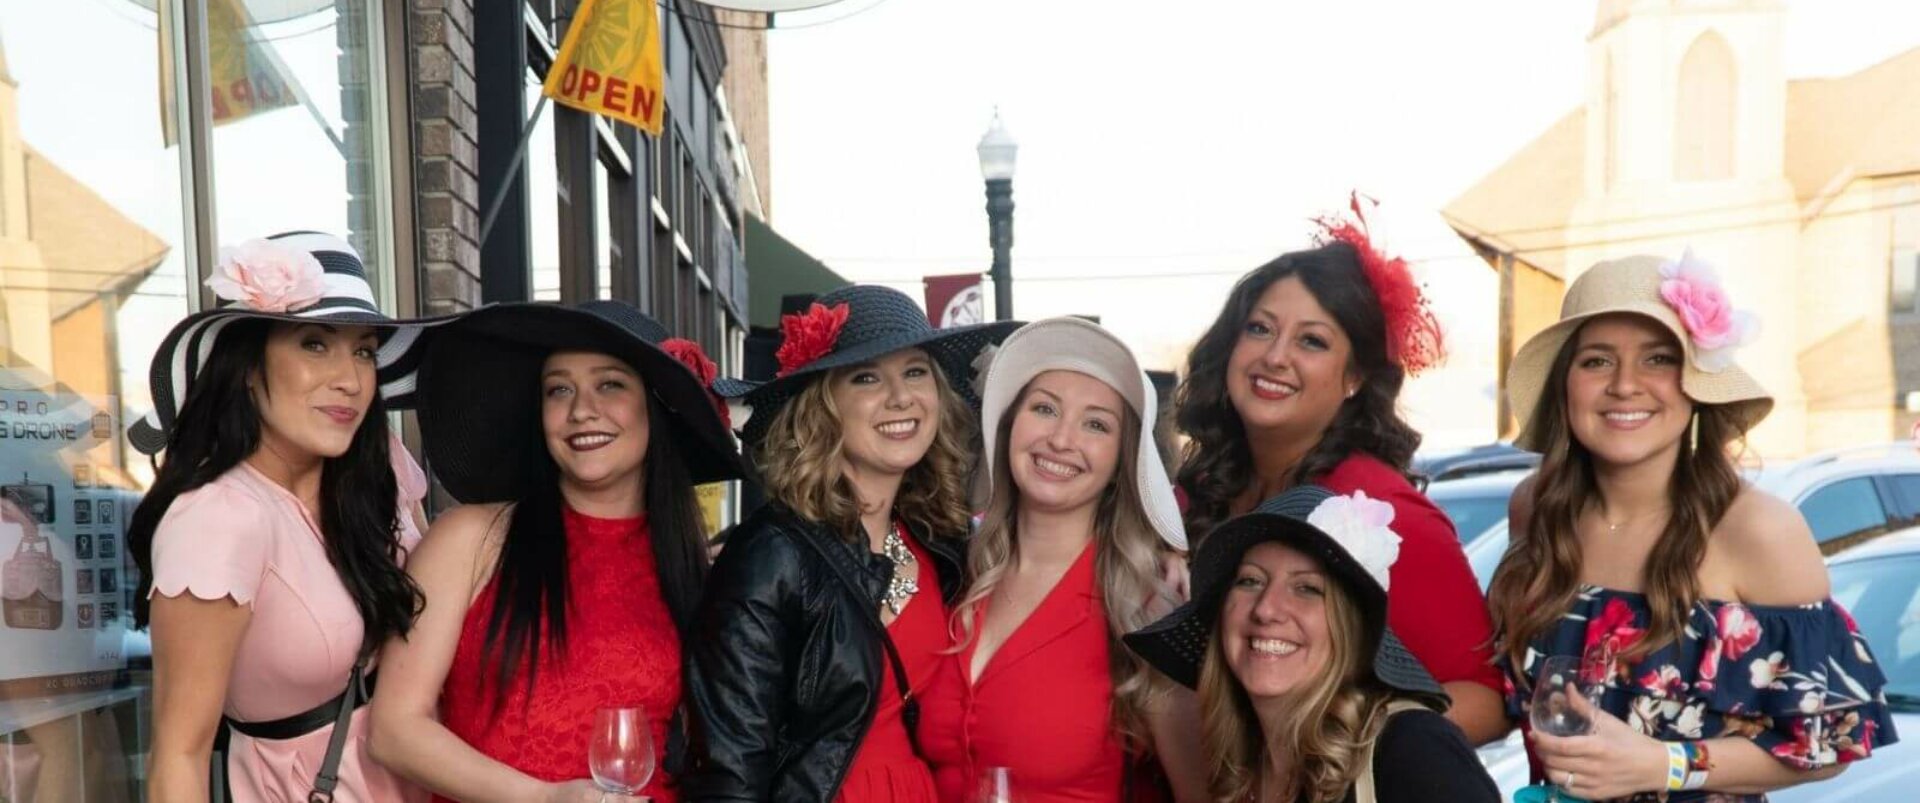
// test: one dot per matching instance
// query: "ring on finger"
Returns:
(1569, 784)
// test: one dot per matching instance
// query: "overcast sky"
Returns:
(1185, 143)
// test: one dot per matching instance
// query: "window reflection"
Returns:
(92, 275)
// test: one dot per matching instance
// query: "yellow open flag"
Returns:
(610, 63)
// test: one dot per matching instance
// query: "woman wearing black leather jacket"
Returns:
(828, 607)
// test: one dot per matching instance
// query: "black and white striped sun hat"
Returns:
(275, 279)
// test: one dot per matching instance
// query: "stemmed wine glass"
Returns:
(1561, 677)
(996, 786)
(620, 754)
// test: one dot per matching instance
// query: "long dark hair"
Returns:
(531, 573)
(1540, 573)
(219, 426)
(1217, 464)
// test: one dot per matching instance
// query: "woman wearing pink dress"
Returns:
(270, 543)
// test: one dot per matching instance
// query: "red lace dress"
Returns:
(621, 651)
(886, 770)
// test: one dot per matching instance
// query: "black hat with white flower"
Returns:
(295, 277)
(1348, 535)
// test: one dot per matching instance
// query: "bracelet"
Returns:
(1695, 780)
(1676, 766)
(1697, 765)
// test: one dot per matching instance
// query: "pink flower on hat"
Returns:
(268, 277)
(1692, 288)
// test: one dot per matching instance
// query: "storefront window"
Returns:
(543, 193)
(602, 234)
(90, 276)
(94, 271)
(296, 138)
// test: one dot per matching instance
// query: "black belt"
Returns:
(305, 722)
(333, 712)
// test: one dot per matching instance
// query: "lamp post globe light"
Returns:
(997, 153)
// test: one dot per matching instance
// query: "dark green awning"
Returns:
(775, 268)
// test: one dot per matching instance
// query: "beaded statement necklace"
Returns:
(906, 581)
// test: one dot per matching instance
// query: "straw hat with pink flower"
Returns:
(1685, 296)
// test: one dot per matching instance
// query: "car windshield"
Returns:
(1883, 594)
(1472, 515)
(1484, 553)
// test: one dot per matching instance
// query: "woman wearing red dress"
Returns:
(827, 610)
(1298, 381)
(574, 436)
(1066, 560)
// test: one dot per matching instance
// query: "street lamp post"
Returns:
(997, 153)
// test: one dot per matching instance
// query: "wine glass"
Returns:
(620, 752)
(1562, 676)
(996, 786)
(1553, 712)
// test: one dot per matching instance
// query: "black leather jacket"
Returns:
(783, 674)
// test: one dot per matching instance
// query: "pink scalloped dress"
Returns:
(245, 537)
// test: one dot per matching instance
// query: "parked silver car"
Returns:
(1848, 497)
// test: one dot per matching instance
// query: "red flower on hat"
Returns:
(808, 337)
(1414, 339)
(695, 359)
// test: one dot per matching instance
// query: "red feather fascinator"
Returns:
(1414, 339)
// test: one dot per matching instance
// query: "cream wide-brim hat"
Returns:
(1629, 285)
(1073, 344)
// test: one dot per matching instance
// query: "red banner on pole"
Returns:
(955, 300)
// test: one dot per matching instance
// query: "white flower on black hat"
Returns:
(1359, 525)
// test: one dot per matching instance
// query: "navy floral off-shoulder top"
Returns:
(1797, 680)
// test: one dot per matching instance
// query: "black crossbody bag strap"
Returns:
(219, 786)
(329, 775)
(909, 707)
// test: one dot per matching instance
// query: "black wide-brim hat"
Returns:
(347, 298)
(480, 400)
(877, 321)
(1177, 644)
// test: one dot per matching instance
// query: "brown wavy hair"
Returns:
(801, 456)
(1540, 573)
(1216, 465)
(1329, 723)
(1126, 567)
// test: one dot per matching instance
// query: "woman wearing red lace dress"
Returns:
(574, 436)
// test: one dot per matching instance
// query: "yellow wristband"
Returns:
(1676, 766)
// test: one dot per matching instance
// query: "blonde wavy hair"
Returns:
(1329, 720)
(1126, 568)
(801, 458)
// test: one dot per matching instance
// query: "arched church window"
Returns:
(1703, 119)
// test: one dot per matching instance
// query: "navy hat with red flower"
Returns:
(851, 325)
(479, 399)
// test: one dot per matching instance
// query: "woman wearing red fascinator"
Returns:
(1297, 381)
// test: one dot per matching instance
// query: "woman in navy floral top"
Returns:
(1698, 600)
